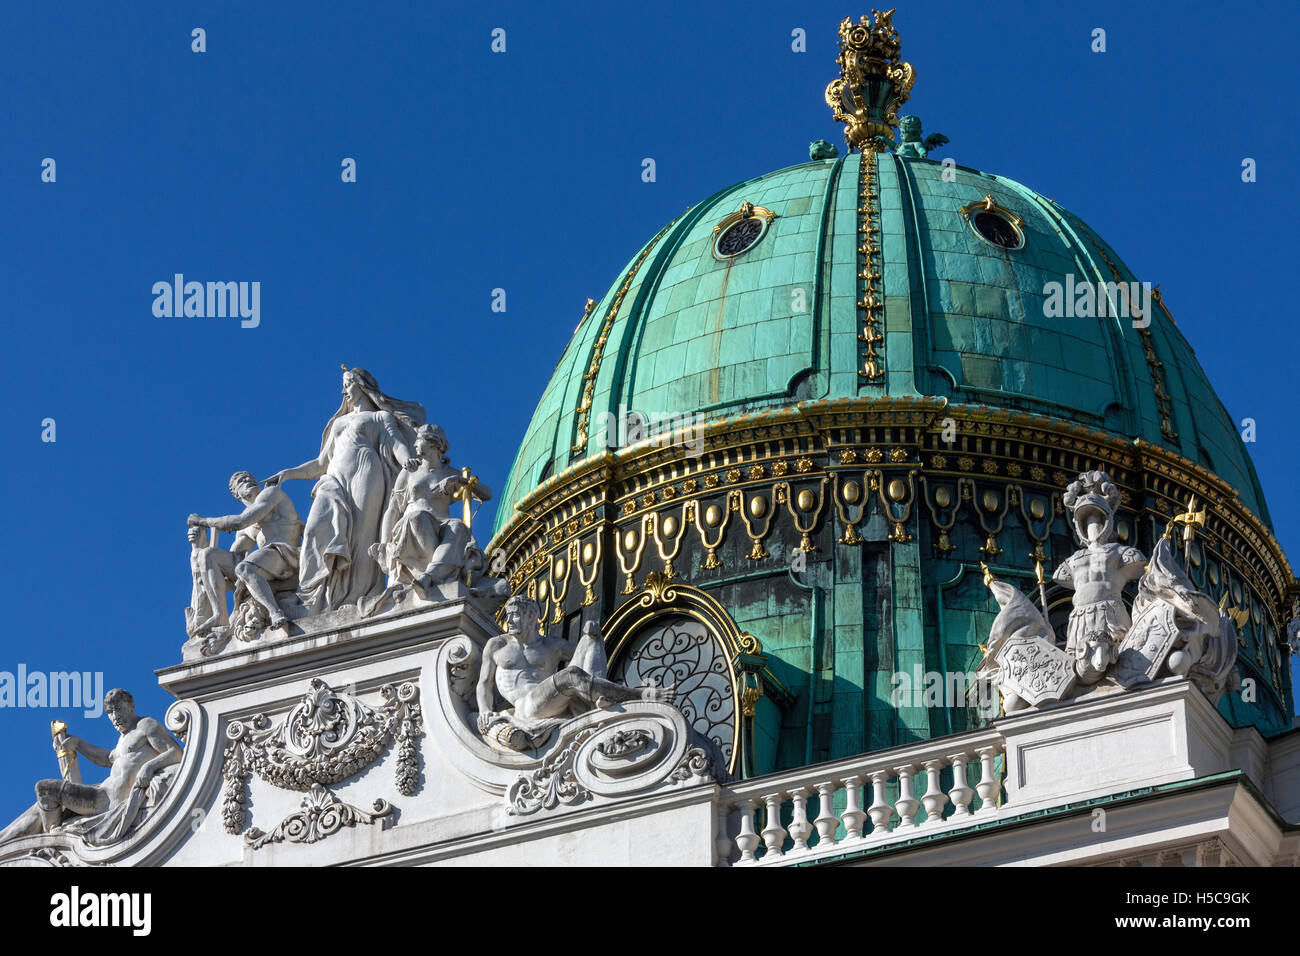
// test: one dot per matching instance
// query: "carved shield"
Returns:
(1035, 669)
(1146, 645)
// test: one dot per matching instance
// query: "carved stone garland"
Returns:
(326, 738)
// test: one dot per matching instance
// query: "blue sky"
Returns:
(520, 171)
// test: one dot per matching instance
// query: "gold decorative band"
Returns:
(770, 464)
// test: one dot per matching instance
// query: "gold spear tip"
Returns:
(988, 575)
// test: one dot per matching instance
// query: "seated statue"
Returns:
(106, 812)
(530, 674)
(1097, 573)
(262, 559)
(421, 546)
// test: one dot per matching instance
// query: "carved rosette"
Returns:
(327, 737)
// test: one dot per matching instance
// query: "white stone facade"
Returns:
(1169, 780)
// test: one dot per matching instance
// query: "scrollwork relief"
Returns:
(322, 814)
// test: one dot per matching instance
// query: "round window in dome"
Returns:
(739, 237)
(995, 228)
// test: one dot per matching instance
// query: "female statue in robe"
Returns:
(420, 542)
(363, 449)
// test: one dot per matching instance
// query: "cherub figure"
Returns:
(911, 145)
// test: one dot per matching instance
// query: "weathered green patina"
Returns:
(963, 319)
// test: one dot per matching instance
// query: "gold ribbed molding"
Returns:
(582, 415)
(810, 463)
(871, 297)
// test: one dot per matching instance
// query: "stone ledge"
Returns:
(229, 673)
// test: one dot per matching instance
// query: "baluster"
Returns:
(934, 799)
(826, 821)
(907, 804)
(773, 833)
(880, 810)
(854, 817)
(747, 839)
(987, 788)
(961, 793)
(799, 826)
(722, 842)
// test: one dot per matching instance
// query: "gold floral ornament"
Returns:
(871, 371)
(747, 210)
(873, 83)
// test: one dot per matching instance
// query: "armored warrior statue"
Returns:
(1175, 630)
(1098, 574)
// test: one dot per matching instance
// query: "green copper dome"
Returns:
(685, 332)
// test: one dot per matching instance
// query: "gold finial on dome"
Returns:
(873, 82)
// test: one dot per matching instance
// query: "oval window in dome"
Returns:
(739, 237)
(995, 228)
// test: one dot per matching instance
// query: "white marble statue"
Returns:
(364, 447)
(1178, 630)
(262, 561)
(139, 773)
(1022, 660)
(422, 547)
(1175, 630)
(540, 690)
(1097, 573)
(202, 615)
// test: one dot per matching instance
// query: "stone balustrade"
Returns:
(864, 802)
